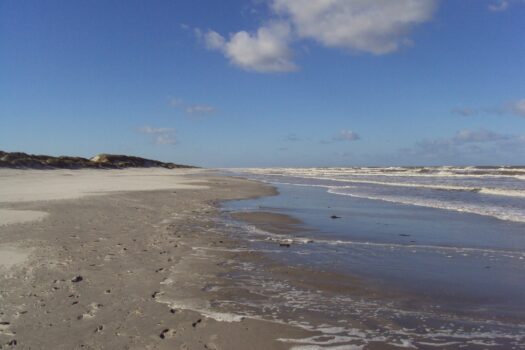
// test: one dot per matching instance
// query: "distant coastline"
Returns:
(20, 160)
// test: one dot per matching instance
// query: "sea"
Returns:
(395, 257)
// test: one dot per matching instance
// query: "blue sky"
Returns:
(266, 82)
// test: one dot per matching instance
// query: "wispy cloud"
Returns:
(465, 111)
(377, 27)
(499, 5)
(466, 143)
(347, 135)
(200, 109)
(344, 135)
(159, 136)
(192, 109)
(292, 138)
(503, 5)
(478, 136)
(176, 102)
(516, 108)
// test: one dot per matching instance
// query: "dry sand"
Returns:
(38, 185)
(10, 216)
(98, 272)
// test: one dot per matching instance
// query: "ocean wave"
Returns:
(503, 192)
(495, 197)
(506, 214)
(475, 172)
(484, 190)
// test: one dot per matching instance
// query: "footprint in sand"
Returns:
(13, 342)
(4, 328)
(167, 281)
(156, 294)
(167, 333)
(94, 307)
(211, 345)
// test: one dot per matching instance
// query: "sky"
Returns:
(266, 82)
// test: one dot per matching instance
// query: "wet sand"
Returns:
(336, 277)
(105, 271)
(272, 222)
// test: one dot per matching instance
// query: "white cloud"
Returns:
(264, 51)
(378, 27)
(347, 135)
(214, 41)
(200, 109)
(160, 136)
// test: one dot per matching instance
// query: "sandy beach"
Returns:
(116, 259)
(193, 259)
(262, 174)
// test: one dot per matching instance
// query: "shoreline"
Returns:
(389, 309)
(170, 268)
(100, 269)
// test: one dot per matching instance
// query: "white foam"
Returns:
(319, 347)
(440, 345)
(464, 251)
(203, 309)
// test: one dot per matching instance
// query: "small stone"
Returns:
(77, 279)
